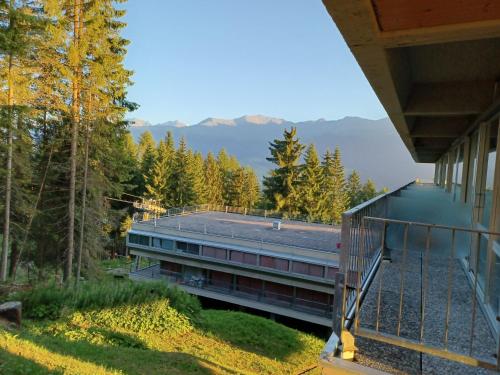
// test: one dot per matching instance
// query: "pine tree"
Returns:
(334, 187)
(18, 31)
(182, 177)
(147, 158)
(354, 189)
(251, 188)
(158, 177)
(281, 186)
(198, 178)
(311, 197)
(228, 166)
(213, 181)
(369, 190)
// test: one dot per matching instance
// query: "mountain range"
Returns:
(372, 147)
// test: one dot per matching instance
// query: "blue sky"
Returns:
(194, 59)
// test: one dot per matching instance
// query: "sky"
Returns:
(194, 59)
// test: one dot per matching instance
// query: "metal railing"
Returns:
(227, 230)
(265, 213)
(423, 266)
(237, 290)
(350, 260)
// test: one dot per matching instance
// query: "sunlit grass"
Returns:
(155, 336)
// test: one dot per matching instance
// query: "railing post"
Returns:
(338, 299)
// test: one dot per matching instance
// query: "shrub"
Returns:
(51, 301)
(154, 316)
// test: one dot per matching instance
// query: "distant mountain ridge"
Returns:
(372, 147)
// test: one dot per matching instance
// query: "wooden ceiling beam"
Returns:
(449, 98)
(440, 127)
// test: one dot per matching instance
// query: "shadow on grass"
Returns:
(129, 359)
(13, 364)
(252, 333)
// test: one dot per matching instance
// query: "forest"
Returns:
(68, 157)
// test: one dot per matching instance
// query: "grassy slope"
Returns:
(109, 341)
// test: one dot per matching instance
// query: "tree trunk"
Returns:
(75, 120)
(8, 177)
(84, 202)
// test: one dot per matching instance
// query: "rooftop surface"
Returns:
(320, 237)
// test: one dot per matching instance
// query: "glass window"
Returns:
(138, 239)
(213, 252)
(307, 269)
(490, 173)
(272, 262)
(163, 243)
(331, 272)
(187, 247)
(471, 182)
(459, 167)
(242, 257)
(495, 286)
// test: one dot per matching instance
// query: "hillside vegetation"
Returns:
(126, 328)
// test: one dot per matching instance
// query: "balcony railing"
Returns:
(236, 290)
(412, 299)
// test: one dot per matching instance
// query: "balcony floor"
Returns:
(397, 360)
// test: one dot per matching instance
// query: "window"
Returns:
(471, 183)
(272, 262)
(138, 239)
(307, 269)
(213, 252)
(186, 247)
(491, 157)
(241, 257)
(459, 167)
(331, 272)
(163, 243)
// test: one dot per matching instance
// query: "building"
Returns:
(418, 287)
(282, 267)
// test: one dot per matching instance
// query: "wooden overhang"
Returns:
(434, 64)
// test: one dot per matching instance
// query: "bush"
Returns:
(50, 301)
(147, 317)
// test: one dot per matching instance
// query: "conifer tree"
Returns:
(354, 189)
(147, 157)
(213, 181)
(334, 187)
(159, 176)
(196, 168)
(251, 188)
(182, 177)
(311, 183)
(228, 166)
(281, 186)
(18, 26)
(369, 190)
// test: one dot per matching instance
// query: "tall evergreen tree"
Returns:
(354, 189)
(228, 166)
(182, 177)
(159, 176)
(369, 190)
(213, 181)
(196, 168)
(18, 25)
(281, 186)
(311, 183)
(147, 155)
(334, 187)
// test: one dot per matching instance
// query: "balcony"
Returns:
(260, 299)
(409, 299)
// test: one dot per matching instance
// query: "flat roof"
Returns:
(258, 229)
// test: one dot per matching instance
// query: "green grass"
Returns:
(153, 331)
